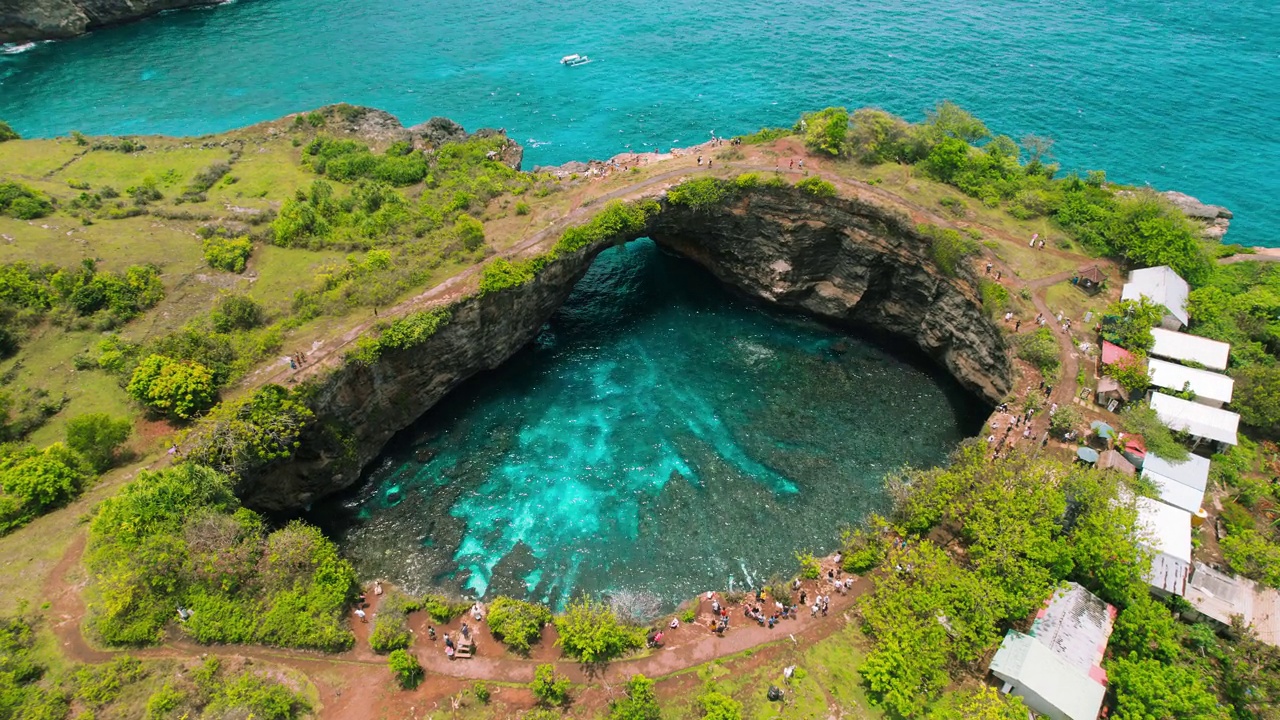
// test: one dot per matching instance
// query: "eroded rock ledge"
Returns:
(26, 20)
(846, 262)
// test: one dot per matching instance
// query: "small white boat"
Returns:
(574, 60)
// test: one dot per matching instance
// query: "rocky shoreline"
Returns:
(33, 20)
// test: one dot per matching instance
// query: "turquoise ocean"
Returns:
(1181, 95)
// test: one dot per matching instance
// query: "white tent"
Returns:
(1211, 388)
(1200, 421)
(1189, 348)
(1162, 286)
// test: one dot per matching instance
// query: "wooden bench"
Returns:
(465, 649)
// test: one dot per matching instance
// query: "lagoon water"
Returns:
(660, 438)
(1181, 95)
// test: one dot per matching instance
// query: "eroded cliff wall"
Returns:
(846, 262)
(26, 20)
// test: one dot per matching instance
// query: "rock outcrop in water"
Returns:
(27, 20)
(846, 262)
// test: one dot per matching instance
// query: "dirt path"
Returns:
(359, 678)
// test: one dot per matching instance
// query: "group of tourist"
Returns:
(1017, 427)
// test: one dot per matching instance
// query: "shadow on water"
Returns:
(660, 437)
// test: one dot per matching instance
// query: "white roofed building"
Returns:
(1166, 530)
(1181, 485)
(1210, 388)
(1162, 286)
(1185, 348)
(1056, 668)
(1200, 421)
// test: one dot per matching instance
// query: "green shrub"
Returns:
(178, 538)
(863, 551)
(1254, 555)
(825, 130)
(1065, 420)
(947, 247)
(765, 135)
(230, 254)
(817, 187)
(1140, 419)
(260, 698)
(242, 436)
(236, 312)
(985, 703)
(522, 208)
(718, 706)
(876, 136)
(164, 702)
(995, 298)
(19, 201)
(96, 437)
(481, 691)
(549, 688)
(1040, 348)
(617, 221)
(470, 232)
(442, 609)
(97, 685)
(1237, 518)
(517, 623)
(178, 389)
(391, 626)
(699, 193)
(402, 334)
(810, 569)
(590, 632)
(406, 668)
(36, 481)
(641, 702)
(1149, 688)
(502, 274)
(7, 133)
(1257, 397)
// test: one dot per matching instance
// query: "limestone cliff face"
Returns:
(26, 20)
(850, 263)
(845, 262)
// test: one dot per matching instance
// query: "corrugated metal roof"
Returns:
(1199, 420)
(1220, 596)
(1205, 384)
(1160, 285)
(1075, 624)
(1192, 472)
(1023, 662)
(1190, 348)
(1175, 493)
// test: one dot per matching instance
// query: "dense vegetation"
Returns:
(590, 632)
(1025, 525)
(179, 538)
(32, 690)
(954, 147)
(517, 623)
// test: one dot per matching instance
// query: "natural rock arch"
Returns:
(847, 262)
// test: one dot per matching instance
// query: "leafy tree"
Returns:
(96, 437)
(876, 136)
(178, 389)
(19, 201)
(517, 623)
(817, 187)
(985, 703)
(1140, 419)
(236, 312)
(825, 130)
(230, 254)
(590, 632)
(699, 193)
(641, 702)
(1148, 688)
(1132, 373)
(718, 706)
(35, 481)
(1252, 554)
(955, 122)
(1147, 231)
(406, 668)
(549, 688)
(1146, 628)
(1040, 348)
(1257, 397)
(240, 437)
(7, 133)
(1128, 323)
(1065, 420)
(470, 232)
(947, 159)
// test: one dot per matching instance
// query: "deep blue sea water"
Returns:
(1182, 95)
(660, 437)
